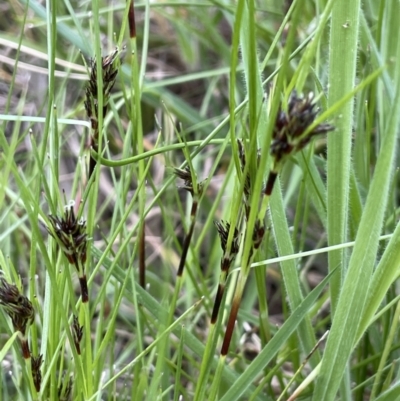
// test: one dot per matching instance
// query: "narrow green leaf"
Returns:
(289, 270)
(355, 287)
(272, 348)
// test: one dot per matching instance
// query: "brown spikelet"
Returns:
(290, 132)
(109, 67)
(36, 363)
(20, 309)
(77, 334)
(186, 176)
(110, 71)
(228, 255)
(291, 125)
(70, 234)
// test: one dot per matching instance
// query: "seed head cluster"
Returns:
(70, 233)
(36, 363)
(109, 68)
(289, 135)
(186, 176)
(229, 255)
(110, 71)
(77, 333)
(20, 310)
(292, 132)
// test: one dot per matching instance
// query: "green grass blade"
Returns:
(343, 46)
(273, 347)
(354, 293)
(289, 270)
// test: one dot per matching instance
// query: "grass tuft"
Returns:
(265, 266)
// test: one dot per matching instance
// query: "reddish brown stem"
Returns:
(131, 19)
(217, 303)
(270, 183)
(188, 238)
(84, 288)
(26, 353)
(230, 327)
(225, 265)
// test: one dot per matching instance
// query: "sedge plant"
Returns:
(272, 278)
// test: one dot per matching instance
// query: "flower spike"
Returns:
(290, 132)
(70, 233)
(20, 310)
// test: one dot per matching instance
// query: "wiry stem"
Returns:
(195, 192)
(257, 237)
(232, 316)
(230, 246)
(188, 238)
(230, 249)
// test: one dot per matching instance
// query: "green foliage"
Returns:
(305, 204)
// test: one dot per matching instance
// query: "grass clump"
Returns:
(270, 273)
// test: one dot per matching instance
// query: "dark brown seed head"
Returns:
(17, 306)
(229, 254)
(36, 362)
(223, 231)
(71, 235)
(291, 124)
(186, 176)
(109, 74)
(77, 333)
